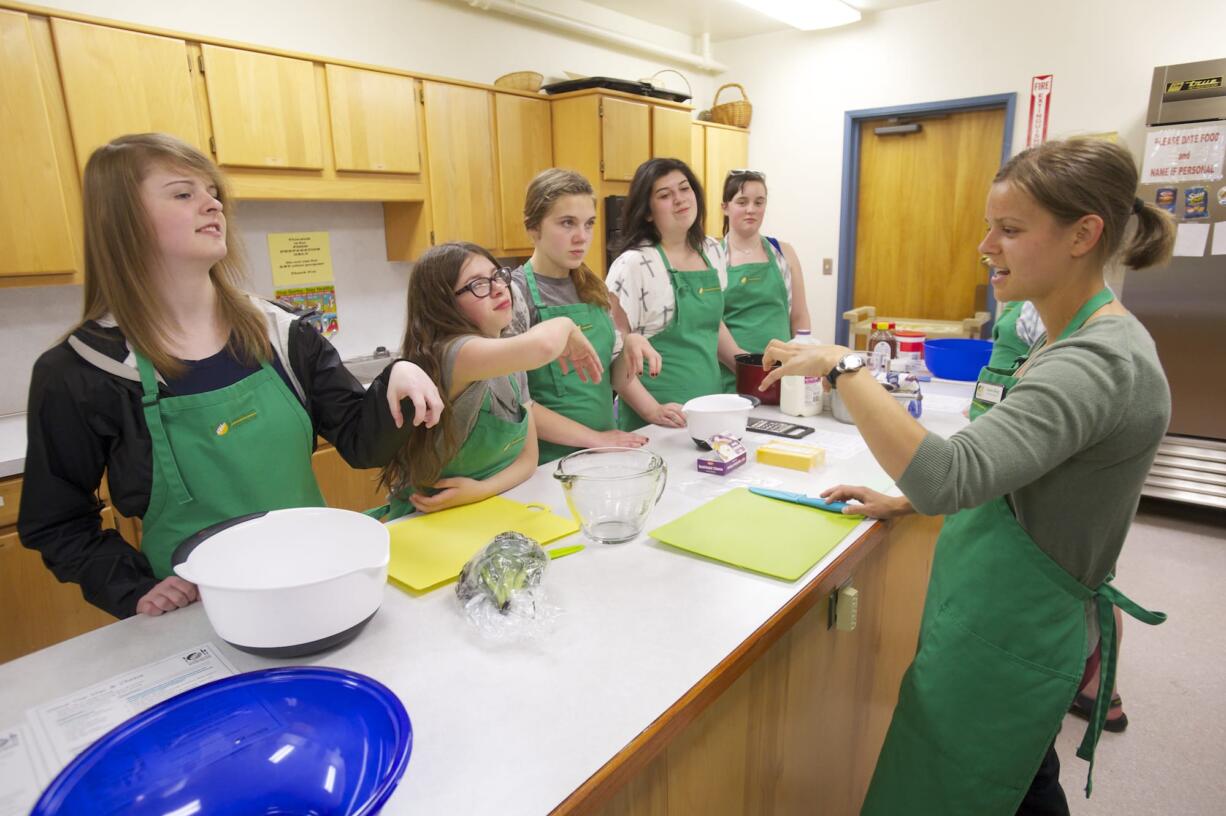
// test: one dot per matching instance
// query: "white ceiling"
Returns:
(722, 19)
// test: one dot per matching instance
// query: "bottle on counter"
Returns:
(801, 396)
(882, 346)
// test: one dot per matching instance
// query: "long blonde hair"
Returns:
(120, 247)
(544, 190)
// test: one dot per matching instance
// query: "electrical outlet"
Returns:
(827, 266)
(848, 609)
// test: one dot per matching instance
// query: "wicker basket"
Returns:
(520, 81)
(736, 113)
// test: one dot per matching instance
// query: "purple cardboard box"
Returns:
(726, 454)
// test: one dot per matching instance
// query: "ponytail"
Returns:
(1154, 239)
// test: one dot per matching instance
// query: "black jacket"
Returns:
(85, 420)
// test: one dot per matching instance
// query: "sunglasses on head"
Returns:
(751, 174)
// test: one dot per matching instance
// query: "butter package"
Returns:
(726, 454)
(788, 454)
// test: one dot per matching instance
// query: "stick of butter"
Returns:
(795, 455)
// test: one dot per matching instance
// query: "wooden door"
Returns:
(264, 109)
(36, 236)
(525, 148)
(698, 152)
(118, 82)
(460, 145)
(343, 486)
(625, 137)
(374, 121)
(727, 149)
(920, 216)
(670, 134)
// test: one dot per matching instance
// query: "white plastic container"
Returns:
(801, 396)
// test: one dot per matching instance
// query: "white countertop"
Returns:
(516, 728)
(12, 444)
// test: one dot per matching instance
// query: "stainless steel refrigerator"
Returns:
(1183, 304)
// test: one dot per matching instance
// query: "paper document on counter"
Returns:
(838, 445)
(68, 725)
(23, 775)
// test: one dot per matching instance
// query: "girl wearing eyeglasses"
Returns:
(459, 303)
(559, 214)
(669, 280)
(764, 298)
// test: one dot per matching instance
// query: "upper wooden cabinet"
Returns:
(698, 152)
(460, 146)
(625, 137)
(118, 82)
(39, 198)
(264, 109)
(374, 121)
(670, 134)
(726, 149)
(525, 148)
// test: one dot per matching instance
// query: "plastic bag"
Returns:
(502, 592)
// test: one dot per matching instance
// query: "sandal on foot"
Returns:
(1083, 706)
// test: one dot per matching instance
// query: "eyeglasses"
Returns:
(480, 287)
(753, 174)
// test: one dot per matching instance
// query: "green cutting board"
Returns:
(753, 532)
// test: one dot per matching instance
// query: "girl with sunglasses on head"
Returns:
(181, 387)
(559, 214)
(1039, 492)
(764, 298)
(459, 304)
(669, 280)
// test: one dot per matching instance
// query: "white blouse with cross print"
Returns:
(639, 280)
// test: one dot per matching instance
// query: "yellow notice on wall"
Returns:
(299, 259)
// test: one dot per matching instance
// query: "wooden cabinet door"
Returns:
(726, 150)
(670, 134)
(35, 231)
(118, 82)
(698, 153)
(525, 148)
(344, 487)
(374, 121)
(264, 109)
(460, 145)
(625, 137)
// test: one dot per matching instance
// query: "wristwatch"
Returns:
(849, 363)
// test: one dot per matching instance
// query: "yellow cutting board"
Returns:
(429, 549)
(754, 532)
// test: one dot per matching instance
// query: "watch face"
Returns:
(851, 362)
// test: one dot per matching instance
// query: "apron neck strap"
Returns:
(530, 279)
(669, 267)
(1088, 308)
(157, 431)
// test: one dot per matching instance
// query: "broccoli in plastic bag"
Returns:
(501, 589)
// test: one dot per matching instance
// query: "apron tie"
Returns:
(1105, 599)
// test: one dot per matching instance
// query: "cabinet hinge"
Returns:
(213, 145)
(431, 237)
(200, 62)
(602, 167)
(600, 108)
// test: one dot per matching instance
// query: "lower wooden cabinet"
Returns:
(343, 486)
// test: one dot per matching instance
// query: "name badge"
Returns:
(986, 392)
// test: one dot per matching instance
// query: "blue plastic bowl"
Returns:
(956, 358)
(292, 740)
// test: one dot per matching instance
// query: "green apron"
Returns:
(755, 308)
(211, 455)
(492, 445)
(1002, 649)
(587, 403)
(687, 345)
(1006, 345)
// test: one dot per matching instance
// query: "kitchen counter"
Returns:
(12, 445)
(649, 638)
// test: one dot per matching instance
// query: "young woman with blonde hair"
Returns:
(459, 305)
(559, 214)
(198, 401)
(1039, 492)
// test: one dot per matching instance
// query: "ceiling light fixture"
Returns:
(807, 15)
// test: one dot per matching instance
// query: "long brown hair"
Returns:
(1078, 177)
(120, 258)
(433, 321)
(543, 191)
(637, 226)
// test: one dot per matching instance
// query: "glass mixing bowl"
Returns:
(611, 491)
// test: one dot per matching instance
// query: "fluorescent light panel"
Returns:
(807, 15)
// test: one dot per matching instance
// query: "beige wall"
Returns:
(1101, 52)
